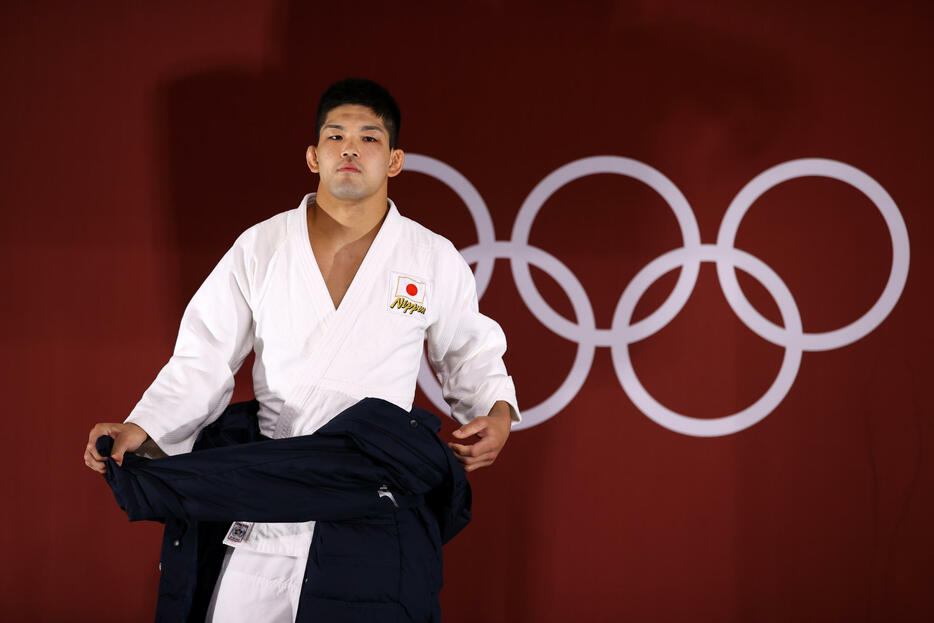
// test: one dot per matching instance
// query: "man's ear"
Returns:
(311, 157)
(396, 160)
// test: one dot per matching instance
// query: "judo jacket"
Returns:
(384, 489)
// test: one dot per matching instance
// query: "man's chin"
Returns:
(350, 192)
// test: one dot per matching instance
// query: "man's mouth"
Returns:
(348, 168)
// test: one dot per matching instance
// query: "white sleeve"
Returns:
(466, 348)
(215, 336)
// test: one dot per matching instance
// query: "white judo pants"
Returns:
(257, 587)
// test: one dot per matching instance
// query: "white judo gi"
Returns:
(312, 360)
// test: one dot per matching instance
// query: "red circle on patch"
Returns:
(411, 289)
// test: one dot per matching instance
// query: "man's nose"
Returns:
(350, 150)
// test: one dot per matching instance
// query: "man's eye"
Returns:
(335, 137)
(369, 139)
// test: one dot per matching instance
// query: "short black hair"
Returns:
(364, 93)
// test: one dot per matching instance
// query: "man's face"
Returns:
(352, 157)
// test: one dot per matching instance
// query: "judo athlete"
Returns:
(336, 298)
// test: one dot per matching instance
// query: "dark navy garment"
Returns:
(385, 490)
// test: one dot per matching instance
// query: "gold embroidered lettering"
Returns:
(407, 306)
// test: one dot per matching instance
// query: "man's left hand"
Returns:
(492, 429)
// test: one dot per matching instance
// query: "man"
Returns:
(336, 299)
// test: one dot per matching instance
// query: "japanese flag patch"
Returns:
(408, 293)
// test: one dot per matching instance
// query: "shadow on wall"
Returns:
(235, 139)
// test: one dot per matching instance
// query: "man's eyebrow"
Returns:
(363, 128)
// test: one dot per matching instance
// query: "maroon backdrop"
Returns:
(140, 138)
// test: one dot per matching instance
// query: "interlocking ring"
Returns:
(688, 258)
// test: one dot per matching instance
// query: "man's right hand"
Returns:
(127, 438)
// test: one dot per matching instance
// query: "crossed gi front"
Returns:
(384, 489)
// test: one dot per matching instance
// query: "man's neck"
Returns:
(339, 219)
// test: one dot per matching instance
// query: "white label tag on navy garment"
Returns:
(238, 532)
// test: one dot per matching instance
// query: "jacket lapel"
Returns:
(337, 324)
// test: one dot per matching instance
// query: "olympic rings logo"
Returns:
(622, 332)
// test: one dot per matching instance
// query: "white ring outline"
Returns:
(654, 179)
(898, 233)
(583, 359)
(483, 222)
(726, 425)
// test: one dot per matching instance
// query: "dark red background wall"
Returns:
(140, 138)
